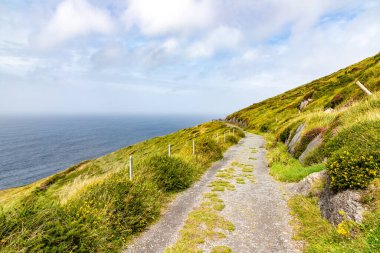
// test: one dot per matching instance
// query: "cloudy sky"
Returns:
(173, 56)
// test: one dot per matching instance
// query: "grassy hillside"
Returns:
(94, 207)
(347, 121)
(337, 90)
(353, 122)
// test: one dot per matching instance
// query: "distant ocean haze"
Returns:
(32, 148)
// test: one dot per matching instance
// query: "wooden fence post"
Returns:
(363, 88)
(193, 147)
(130, 167)
(170, 150)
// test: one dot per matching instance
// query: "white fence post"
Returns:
(130, 167)
(170, 150)
(193, 147)
(361, 86)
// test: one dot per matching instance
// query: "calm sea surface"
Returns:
(32, 148)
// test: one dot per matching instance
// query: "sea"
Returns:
(34, 147)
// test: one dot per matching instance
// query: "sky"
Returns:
(173, 56)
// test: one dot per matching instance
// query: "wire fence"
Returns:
(131, 158)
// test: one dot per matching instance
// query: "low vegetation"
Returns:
(353, 170)
(95, 207)
(283, 166)
(204, 223)
(221, 249)
(348, 236)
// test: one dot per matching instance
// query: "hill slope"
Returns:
(328, 123)
(277, 111)
(336, 107)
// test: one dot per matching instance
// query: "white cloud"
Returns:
(222, 38)
(247, 57)
(178, 45)
(170, 45)
(72, 18)
(17, 65)
(263, 19)
(305, 56)
(155, 17)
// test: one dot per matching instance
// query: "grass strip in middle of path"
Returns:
(204, 223)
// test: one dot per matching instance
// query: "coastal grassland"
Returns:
(94, 207)
(321, 236)
(278, 112)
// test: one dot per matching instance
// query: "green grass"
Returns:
(203, 223)
(293, 172)
(321, 236)
(240, 180)
(243, 167)
(221, 249)
(276, 113)
(226, 173)
(93, 206)
(284, 167)
(221, 185)
(246, 169)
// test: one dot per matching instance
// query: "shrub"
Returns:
(106, 212)
(361, 137)
(345, 79)
(335, 101)
(231, 139)
(284, 135)
(264, 128)
(240, 133)
(170, 173)
(209, 148)
(353, 171)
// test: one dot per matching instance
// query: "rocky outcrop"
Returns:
(313, 184)
(310, 147)
(303, 104)
(236, 121)
(296, 138)
(332, 203)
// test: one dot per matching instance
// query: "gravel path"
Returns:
(257, 210)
